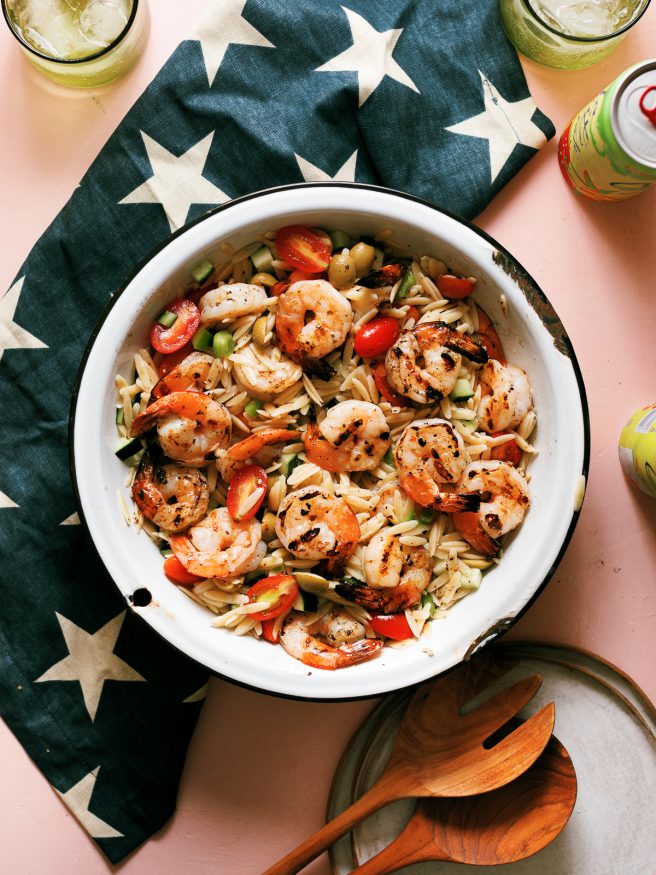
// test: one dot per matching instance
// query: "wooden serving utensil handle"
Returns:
(383, 791)
(414, 844)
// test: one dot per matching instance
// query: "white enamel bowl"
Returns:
(533, 338)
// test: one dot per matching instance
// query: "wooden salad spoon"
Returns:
(504, 826)
(439, 751)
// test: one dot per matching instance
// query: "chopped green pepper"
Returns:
(407, 283)
(252, 407)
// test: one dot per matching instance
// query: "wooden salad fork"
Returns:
(439, 751)
(504, 826)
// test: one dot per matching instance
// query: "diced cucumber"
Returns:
(119, 416)
(128, 447)
(462, 391)
(201, 272)
(202, 340)
(388, 458)
(426, 517)
(252, 577)
(306, 601)
(469, 424)
(407, 283)
(427, 599)
(222, 344)
(470, 578)
(262, 259)
(379, 257)
(167, 319)
(341, 240)
(288, 462)
(166, 551)
(252, 407)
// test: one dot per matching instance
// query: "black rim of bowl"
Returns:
(504, 623)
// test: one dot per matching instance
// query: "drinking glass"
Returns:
(549, 42)
(97, 67)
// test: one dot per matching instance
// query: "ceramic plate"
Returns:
(608, 728)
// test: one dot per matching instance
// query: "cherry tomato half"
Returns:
(508, 452)
(246, 492)
(279, 288)
(393, 626)
(175, 571)
(455, 286)
(276, 593)
(376, 336)
(171, 339)
(380, 379)
(173, 359)
(303, 249)
(488, 337)
(413, 313)
(469, 526)
(268, 632)
(297, 276)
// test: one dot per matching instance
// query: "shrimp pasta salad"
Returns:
(326, 442)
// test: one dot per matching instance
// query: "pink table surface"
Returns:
(259, 768)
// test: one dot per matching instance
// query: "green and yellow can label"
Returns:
(638, 449)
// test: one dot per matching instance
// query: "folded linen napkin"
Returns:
(426, 97)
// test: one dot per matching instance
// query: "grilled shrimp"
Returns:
(430, 460)
(252, 449)
(190, 426)
(505, 500)
(313, 524)
(229, 302)
(353, 436)
(396, 575)
(265, 379)
(441, 349)
(308, 340)
(188, 376)
(220, 546)
(299, 638)
(506, 396)
(172, 496)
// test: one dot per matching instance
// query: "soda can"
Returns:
(608, 150)
(637, 449)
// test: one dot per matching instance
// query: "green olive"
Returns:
(363, 256)
(259, 331)
(268, 526)
(341, 271)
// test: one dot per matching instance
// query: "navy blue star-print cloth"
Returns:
(425, 96)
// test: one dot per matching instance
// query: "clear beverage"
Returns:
(80, 42)
(569, 34)
(589, 18)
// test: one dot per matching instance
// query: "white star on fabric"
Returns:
(177, 181)
(5, 501)
(370, 57)
(91, 660)
(12, 336)
(312, 173)
(503, 125)
(78, 798)
(224, 24)
(72, 520)
(198, 696)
